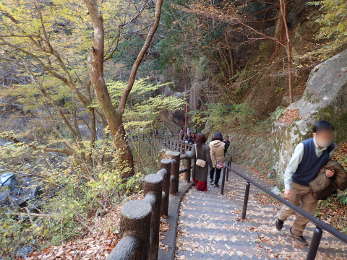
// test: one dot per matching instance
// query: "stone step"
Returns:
(206, 204)
(195, 255)
(208, 212)
(209, 227)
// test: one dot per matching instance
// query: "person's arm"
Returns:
(293, 165)
(332, 152)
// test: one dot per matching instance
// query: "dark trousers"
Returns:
(218, 171)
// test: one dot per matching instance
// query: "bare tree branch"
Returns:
(140, 56)
(220, 16)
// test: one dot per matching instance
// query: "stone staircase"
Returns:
(210, 227)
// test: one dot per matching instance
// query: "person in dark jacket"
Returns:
(201, 151)
(181, 134)
(227, 145)
(190, 139)
(307, 160)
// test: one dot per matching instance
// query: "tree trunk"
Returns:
(113, 117)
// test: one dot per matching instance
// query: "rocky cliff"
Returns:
(268, 147)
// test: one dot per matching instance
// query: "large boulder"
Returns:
(325, 97)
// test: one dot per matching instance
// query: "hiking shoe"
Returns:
(279, 224)
(300, 239)
(216, 185)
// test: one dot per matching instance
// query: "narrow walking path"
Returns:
(210, 228)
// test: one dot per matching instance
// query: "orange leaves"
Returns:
(340, 154)
(289, 116)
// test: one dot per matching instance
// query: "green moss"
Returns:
(338, 119)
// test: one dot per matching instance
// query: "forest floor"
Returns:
(102, 237)
(98, 243)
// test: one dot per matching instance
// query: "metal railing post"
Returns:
(223, 180)
(245, 200)
(317, 235)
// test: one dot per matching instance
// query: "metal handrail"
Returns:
(320, 225)
(312, 218)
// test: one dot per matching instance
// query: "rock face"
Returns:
(325, 97)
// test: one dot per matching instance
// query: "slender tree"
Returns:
(114, 116)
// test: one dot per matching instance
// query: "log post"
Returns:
(153, 192)
(135, 230)
(165, 165)
(174, 171)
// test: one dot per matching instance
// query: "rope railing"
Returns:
(320, 225)
(140, 219)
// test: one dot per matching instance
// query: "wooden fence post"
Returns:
(135, 229)
(165, 165)
(174, 171)
(153, 193)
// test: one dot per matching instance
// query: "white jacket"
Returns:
(217, 152)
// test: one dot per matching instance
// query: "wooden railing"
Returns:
(177, 145)
(140, 219)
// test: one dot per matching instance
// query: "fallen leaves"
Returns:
(164, 227)
(95, 245)
(209, 228)
(289, 116)
(340, 154)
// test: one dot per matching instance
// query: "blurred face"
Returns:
(324, 138)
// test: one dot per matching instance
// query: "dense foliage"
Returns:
(57, 130)
(71, 194)
(333, 24)
(65, 142)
